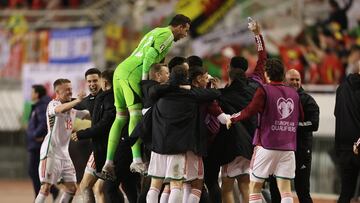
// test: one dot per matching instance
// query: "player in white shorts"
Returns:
(54, 155)
(237, 169)
(266, 162)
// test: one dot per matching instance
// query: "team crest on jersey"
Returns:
(285, 107)
(162, 47)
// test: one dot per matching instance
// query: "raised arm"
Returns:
(259, 71)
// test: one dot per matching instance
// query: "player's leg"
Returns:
(133, 102)
(69, 193)
(121, 118)
(243, 184)
(165, 194)
(153, 193)
(227, 187)
(175, 172)
(284, 173)
(157, 172)
(99, 191)
(48, 174)
(88, 180)
(69, 176)
(194, 174)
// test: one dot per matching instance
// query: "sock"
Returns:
(135, 117)
(66, 197)
(286, 197)
(152, 195)
(115, 133)
(255, 198)
(194, 197)
(165, 195)
(186, 192)
(41, 197)
(175, 195)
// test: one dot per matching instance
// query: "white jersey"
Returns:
(60, 126)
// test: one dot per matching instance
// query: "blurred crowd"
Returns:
(321, 51)
(40, 4)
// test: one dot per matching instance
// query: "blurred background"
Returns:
(41, 40)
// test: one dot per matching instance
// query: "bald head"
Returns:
(293, 78)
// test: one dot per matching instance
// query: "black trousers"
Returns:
(349, 171)
(33, 171)
(211, 176)
(302, 178)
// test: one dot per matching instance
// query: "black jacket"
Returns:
(145, 86)
(311, 121)
(176, 123)
(101, 121)
(237, 140)
(87, 103)
(347, 113)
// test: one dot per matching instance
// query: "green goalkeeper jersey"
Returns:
(152, 48)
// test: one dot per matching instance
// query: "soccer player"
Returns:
(304, 142)
(152, 49)
(54, 155)
(275, 139)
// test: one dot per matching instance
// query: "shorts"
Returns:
(166, 166)
(126, 93)
(194, 167)
(91, 166)
(266, 162)
(51, 170)
(239, 166)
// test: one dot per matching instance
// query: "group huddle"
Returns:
(184, 128)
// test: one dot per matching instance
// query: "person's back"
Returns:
(131, 67)
(347, 117)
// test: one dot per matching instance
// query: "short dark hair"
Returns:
(180, 19)
(237, 74)
(93, 71)
(275, 69)
(39, 89)
(61, 81)
(194, 60)
(179, 75)
(239, 62)
(195, 71)
(177, 60)
(108, 75)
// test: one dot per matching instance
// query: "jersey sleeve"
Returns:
(51, 108)
(162, 41)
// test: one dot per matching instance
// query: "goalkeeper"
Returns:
(152, 49)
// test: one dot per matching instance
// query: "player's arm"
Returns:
(161, 42)
(260, 47)
(311, 115)
(255, 106)
(97, 129)
(62, 108)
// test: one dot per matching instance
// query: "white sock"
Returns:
(194, 197)
(165, 195)
(186, 192)
(255, 198)
(66, 197)
(175, 195)
(287, 197)
(152, 195)
(110, 162)
(41, 197)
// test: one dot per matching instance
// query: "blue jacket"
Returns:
(37, 127)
